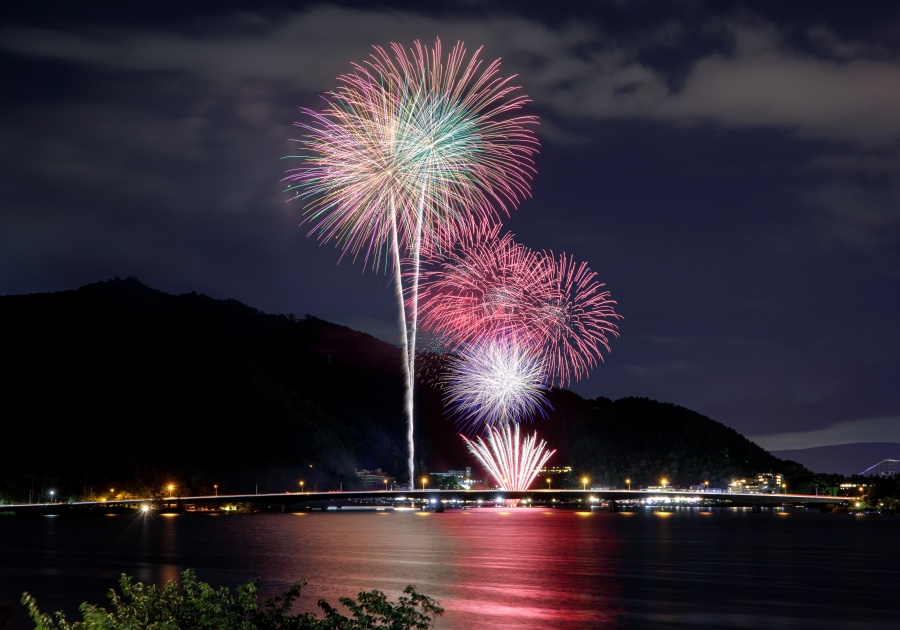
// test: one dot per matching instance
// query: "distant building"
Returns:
(463, 477)
(763, 483)
(770, 483)
(743, 486)
(375, 479)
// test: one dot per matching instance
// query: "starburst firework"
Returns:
(495, 382)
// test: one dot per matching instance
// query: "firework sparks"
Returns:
(514, 463)
(491, 285)
(481, 288)
(495, 382)
(573, 319)
(431, 360)
(429, 138)
(412, 147)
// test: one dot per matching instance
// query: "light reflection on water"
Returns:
(493, 567)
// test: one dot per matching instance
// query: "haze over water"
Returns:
(493, 567)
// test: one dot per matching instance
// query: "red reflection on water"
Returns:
(501, 578)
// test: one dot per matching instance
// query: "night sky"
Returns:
(730, 171)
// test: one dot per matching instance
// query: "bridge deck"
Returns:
(544, 496)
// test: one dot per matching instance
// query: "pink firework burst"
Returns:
(573, 318)
(492, 286)
(482, 288)
(513, 462)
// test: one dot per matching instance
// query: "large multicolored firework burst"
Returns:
(514, 463)
(412, 147)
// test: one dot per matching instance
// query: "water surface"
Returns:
(517, 568)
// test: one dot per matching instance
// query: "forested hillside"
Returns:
(118, 383)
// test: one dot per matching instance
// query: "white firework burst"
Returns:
(495, 382)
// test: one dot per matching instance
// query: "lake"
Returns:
(491, 567)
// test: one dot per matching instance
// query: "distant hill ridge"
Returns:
(117, 382)
(843, 459)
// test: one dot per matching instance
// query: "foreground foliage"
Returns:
(195, 605)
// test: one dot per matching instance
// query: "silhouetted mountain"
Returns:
(644, 440)
(116, 380)
(118, 383)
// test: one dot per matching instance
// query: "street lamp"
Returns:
(706, 483)
(216, 488)
(385, 484)
(301, 486)
(584, 481)
(52, 492)
(628, 481)
(663, 482)
(548, 483)
(171, 489)
(424, 481)
(784, 488)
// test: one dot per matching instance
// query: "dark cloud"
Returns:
(756, 78)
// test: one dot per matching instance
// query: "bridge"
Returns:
(884, 468)
(437, 499)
